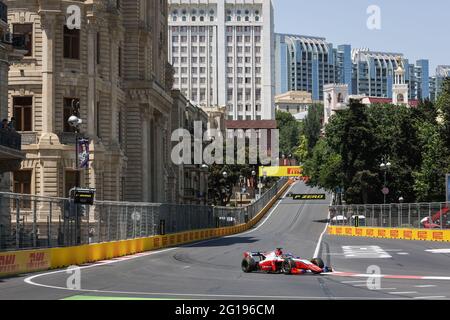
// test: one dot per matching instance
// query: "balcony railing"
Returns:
(3, 12)
(17, 40)
(29, 138)
(67, 138)
(10, 139)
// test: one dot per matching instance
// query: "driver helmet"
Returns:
(279, 252)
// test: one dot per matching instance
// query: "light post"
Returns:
(224, 189)
(253, 183)
(385, 166)
(75, 122)
(400, 219)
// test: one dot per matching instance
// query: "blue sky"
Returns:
(417, 28)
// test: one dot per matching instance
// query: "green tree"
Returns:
(301, 153)
(312, 127)
(429, 183)
(289, 132)
(443, 107)
(435, 148)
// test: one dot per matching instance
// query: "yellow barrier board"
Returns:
(392, 233)
(37, 260)
(295, 171)
(17, 262)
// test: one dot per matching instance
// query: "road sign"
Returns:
(385, 191)
(83, 196)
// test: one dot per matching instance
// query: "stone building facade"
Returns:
(192, 182)
(115, 66)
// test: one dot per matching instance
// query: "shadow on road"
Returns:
(223, 242)
(322, 221)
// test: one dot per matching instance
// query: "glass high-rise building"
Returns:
(305, 63)
(373, 72)
(442, 72)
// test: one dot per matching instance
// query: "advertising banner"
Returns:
(24, 261)
(318, 196)
(288, 171)
(83, 153)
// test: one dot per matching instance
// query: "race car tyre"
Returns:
(287, 266)
(248, 265)
(318, 262)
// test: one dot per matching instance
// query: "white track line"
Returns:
(30, 279)
(426, 286)
(406, 292)
(270, 214)
(430, 297)
(319, 243)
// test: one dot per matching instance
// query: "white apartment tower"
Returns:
(223, 55)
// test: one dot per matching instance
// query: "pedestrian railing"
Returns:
(411, 215)
(28, 221)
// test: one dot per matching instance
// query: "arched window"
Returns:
(247, 18)
(193, 18)
(340, 99)
(400, 98)
(257, 18)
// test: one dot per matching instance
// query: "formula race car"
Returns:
(278, 262)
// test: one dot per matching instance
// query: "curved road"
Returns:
(211, 269)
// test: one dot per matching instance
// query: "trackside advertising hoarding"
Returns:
(287, 171)
(24, 261)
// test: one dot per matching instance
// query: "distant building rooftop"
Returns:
(251, 124)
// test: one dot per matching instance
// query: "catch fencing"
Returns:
(30, 222)
(413, 215)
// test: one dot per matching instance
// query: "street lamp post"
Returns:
(253, 183)
(224, 189)
(385, 167)
(75, 122)
(400, 218)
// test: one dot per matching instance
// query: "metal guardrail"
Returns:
(411, 215)
(11, 139)
(28, 221)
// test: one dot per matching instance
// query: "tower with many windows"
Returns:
(222, 53)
